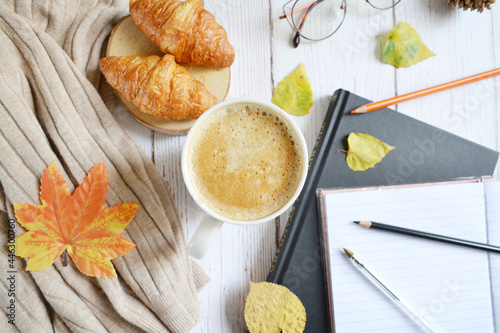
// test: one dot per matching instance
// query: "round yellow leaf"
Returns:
(272, 308)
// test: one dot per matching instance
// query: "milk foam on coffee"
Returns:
(245, 162)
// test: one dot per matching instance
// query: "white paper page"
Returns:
(449, 285)
(492, 190)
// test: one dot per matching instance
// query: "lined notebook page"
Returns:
(492, 189)
(449, 285)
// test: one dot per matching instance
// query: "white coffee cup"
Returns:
(212, 221)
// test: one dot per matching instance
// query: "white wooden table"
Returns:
(465, 43)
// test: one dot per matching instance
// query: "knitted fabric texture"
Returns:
(51, 110)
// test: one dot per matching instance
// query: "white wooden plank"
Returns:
(463, 44)
(495, 19)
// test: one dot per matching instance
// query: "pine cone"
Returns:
(478, 5)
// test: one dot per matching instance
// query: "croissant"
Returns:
(158, 86)
(184, 29)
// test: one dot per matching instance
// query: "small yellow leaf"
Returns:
(404, 47)
(365, 151)
(273, 308)
(294, 94)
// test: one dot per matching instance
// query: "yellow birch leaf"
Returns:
(404, 47)
(272, 308)
(78, 224)
(365, 151)
(294, 94)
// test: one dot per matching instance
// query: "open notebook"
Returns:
(457, 289)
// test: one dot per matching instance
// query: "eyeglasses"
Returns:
(318, 20)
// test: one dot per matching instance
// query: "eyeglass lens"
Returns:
(317, 20)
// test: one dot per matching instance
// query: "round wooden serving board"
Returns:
(127, 39)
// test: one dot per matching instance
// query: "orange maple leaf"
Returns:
(78, 224)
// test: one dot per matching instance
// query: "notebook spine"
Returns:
(316, 163)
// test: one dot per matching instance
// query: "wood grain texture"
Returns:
(465, 43)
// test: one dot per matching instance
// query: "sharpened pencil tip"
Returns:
(364, 224)
(361, 109)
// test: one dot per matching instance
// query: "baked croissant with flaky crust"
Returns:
(184, 29)
(158, 86)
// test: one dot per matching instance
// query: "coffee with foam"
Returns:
(244, 162)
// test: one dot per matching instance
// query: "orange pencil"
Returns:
(398, 99)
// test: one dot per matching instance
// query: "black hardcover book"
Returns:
(422, 153)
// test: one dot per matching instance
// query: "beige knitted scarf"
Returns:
(50, 110)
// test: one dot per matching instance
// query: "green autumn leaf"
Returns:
(365, 151)
(294, 94)
(404, 47)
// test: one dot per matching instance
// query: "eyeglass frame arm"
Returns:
(296, 39)
(297, 10)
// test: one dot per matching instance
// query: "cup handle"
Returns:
(203, 237)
